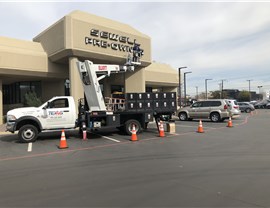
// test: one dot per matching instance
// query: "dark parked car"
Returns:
(262, 104)
(246, 107)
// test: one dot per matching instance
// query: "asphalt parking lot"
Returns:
(223, 167)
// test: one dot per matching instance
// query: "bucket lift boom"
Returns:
(88, 73)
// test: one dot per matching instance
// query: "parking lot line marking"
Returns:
(185, 126)
(194, 126)
(30, 145)
(105, 137)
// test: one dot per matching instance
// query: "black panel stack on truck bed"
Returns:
(130, 109)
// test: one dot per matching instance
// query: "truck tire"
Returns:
(28, 133)
(129, 125)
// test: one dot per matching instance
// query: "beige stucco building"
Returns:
(45, 64)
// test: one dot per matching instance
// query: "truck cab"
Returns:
(57, 113)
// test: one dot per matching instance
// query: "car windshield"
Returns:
(196, 105)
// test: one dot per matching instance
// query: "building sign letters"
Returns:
(106, 39)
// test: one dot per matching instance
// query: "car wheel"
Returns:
(182, 116)
(215, 117)
(248, 110)
(28, 133)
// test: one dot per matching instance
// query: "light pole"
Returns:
(221, 93)
(185, 86)
(197, 96)
(206, 88)
(249, 89)
(260, 91)
(179, 80)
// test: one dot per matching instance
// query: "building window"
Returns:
(14, 93)
(117, 89)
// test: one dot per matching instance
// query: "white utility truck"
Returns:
(122, 111)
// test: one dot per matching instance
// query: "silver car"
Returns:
(214, 109)
(246, 107)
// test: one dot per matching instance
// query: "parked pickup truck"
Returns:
(57, 113)
(131, 110)
(60, 113)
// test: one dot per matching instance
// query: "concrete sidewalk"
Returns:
(3, 129)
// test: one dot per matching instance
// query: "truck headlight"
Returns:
(11, 118)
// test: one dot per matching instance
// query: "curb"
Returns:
(5, 133)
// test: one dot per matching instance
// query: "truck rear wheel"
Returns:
(28, 133)
(129, 125)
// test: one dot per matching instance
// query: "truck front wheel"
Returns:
(28, 133)
(129, 126)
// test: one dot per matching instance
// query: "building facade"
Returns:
(47, 65)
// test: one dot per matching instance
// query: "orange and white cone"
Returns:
(84, 133)
(63, 141)
(200, 127)
(230, 123)
(134, 135)
(161, 130)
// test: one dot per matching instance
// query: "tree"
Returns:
(215, 94)
(32, 100)
(243, 96)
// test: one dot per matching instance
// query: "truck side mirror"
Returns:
(47, 106)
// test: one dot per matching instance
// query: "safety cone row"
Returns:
(63, 141)
(230, 123)
(200, 127)
(133, 135)
(161, 130)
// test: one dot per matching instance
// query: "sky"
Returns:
(223, 41)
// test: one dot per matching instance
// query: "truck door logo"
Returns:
(55, 113)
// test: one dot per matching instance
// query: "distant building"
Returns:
(231, 93)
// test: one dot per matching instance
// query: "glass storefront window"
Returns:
(14, 93)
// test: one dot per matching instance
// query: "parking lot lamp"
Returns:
(206, 97)
(179, 80)
(259, 87)
(185, 88)
(249, 89)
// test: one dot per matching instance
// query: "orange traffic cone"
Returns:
(84, 135)
(161, 130)
(134, 135)
(230, 123)
(63, 141)
(200, 127)
(84, 132)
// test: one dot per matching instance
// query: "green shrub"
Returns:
(32, 100)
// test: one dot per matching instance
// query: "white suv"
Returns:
(233, 108)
